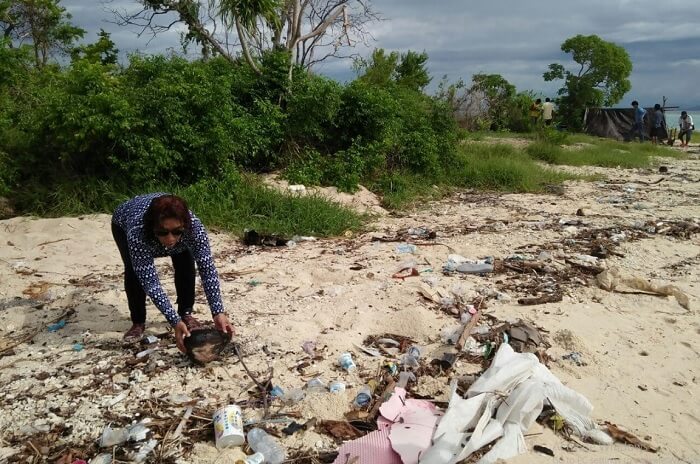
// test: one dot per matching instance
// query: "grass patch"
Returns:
(233, 203)
(242, 202)
(593, 151)
(497, 167)
(503, 168)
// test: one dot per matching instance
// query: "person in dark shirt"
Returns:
(157, 225)
(658, 124)
(638, 126)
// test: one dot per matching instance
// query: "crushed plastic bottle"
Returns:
(264, 444)
(277, 392)
(346, 362)
(474, 268)
(256, 458)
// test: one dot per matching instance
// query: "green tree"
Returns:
(496, 98)
(411, 71)
(602, 77)
(43, 23)
(408, 70)
(103, 51)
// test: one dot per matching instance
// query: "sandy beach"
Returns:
(640, 352)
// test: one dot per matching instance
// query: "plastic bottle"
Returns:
(364, 396)
(256, 458)
(346, 362)
(264, 444)
(406, 248)
(474, 268)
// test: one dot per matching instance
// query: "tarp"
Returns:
(616, 123)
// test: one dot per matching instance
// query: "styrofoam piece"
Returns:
(410, 435)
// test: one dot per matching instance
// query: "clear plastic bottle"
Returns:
(264, 444)
(364, 396)
(346, 362)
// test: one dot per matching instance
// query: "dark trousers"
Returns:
(136, 296)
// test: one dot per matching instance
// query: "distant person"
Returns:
(535, 112)
(657, 126)
(685, 123)
(638, 126)
(158, 225)
(547, 112)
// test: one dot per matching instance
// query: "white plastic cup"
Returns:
(228, 426)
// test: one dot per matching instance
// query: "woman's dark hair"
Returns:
(635, 103)
(166, 207)
(657, 107)
(684, 113)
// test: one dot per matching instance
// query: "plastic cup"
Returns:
(228, 426)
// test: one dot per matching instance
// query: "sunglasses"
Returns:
(174, 232)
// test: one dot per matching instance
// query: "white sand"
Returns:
(642, 352)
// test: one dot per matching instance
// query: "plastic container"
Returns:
(277, 392)
(364, 396)
(228, 426)
(346, 362)
(316, 385)
(264, 444)
(406, 248)
(256, 458)
(474, 268)
(337, 386)
(411, 357)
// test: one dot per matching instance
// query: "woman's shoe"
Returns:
(135, 333)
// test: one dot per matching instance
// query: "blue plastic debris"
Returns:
(57, 326)
(78, 347)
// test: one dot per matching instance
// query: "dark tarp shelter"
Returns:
(616, 123)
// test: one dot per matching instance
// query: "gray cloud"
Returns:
(510, 37)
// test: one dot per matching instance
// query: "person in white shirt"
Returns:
(685, 122)
(547, 111)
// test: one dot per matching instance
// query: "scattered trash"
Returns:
(406, 248)
(292, 428)
(116, 436)
(404, 378)
(501, 405)
(57, 326)
(147, 352)
(364, 396)
(611, 280)
(254, 282)
(104, 458)
(445, 362)
(264, 444)
(149, 340)
(337, 386)
(277, 392)
(228, 426)
(206, 344)
(309, 348)
(421, 232)
(316, 385)
(405, 273)
(626, 437)
(575, 357)
(339, 429)
(78, 347)
(251, 237)
(142, 454)
(663, 169)
(345, 361)
(543, 450)
(411, 357)
(297, 188)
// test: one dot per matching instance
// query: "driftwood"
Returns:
(625, 437)
(469, 327)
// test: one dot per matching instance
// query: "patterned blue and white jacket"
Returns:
(129, 217)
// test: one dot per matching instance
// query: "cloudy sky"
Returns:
(514, 38)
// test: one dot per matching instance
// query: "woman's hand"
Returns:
(181, 331)
(223, 325)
